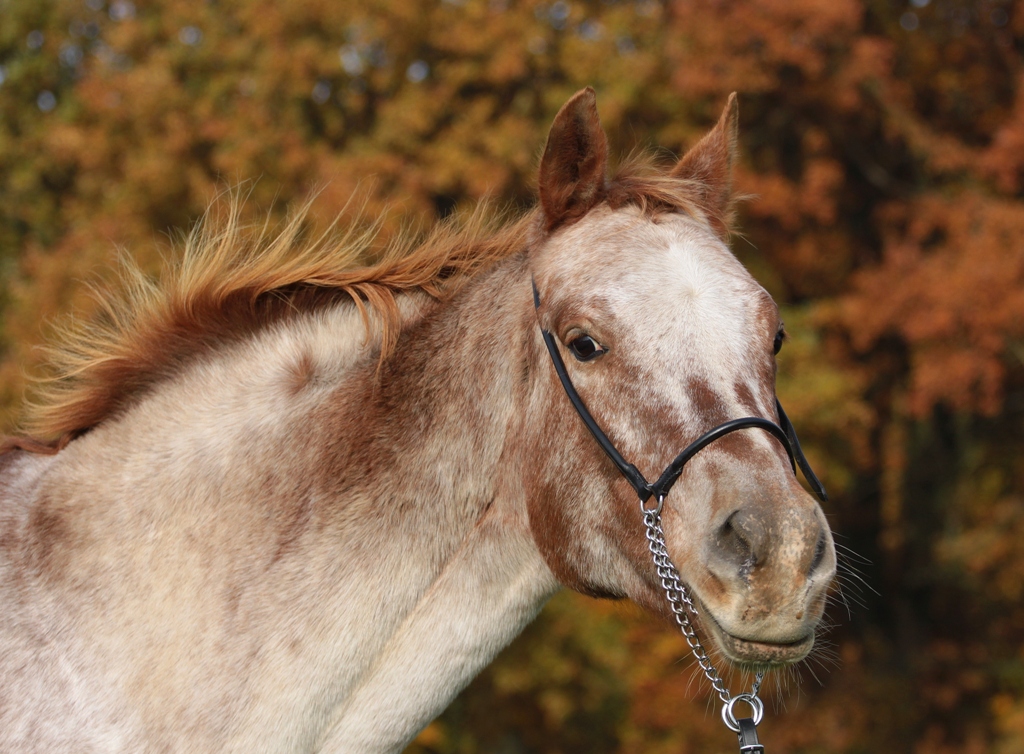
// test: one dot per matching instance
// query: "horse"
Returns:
(286, 499)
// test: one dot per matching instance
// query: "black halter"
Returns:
(659, 489)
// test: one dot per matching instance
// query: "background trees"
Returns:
(883, 143)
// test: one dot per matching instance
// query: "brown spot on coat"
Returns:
(49, 539)
(708, 405)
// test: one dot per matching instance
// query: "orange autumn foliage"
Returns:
(883, 158)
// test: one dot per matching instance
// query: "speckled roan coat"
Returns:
(293, 541)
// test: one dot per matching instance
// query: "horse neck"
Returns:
(446, 406)
(449, 404)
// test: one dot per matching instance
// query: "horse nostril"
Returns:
(819, 555)
(737, 542)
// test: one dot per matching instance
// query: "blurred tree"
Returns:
(883, 146)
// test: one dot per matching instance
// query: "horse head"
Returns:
(665, 335)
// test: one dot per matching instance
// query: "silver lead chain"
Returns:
(682, 607)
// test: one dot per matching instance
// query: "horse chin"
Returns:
(756, 654)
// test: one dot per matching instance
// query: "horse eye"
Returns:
(779, 337)
(585, 348)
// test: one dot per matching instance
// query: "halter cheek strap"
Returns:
(785, 434)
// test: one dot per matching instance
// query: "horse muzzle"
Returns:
(767, 573)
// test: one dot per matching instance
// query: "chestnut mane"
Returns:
(231, 279)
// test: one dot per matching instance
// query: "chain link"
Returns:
(682, 606)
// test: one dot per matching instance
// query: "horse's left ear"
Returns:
(575, 161)
(709, 166)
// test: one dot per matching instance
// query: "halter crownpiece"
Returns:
(676, 592)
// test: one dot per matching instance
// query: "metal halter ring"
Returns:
(656, 511)
(729, 718)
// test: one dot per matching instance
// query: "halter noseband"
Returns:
(785, 434)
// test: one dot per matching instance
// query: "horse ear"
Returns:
(572, 170)
(708, 165)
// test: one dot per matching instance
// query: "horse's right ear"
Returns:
(572, 170)
(709, 166)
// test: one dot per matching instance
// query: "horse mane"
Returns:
(230, 279)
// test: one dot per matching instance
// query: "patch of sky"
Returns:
(46, 100)
(351, 60)
(591, 30)
(190, 35)
(321, 91)
(558, 14)
(121, 10)
(417, 71)
(71, 55)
